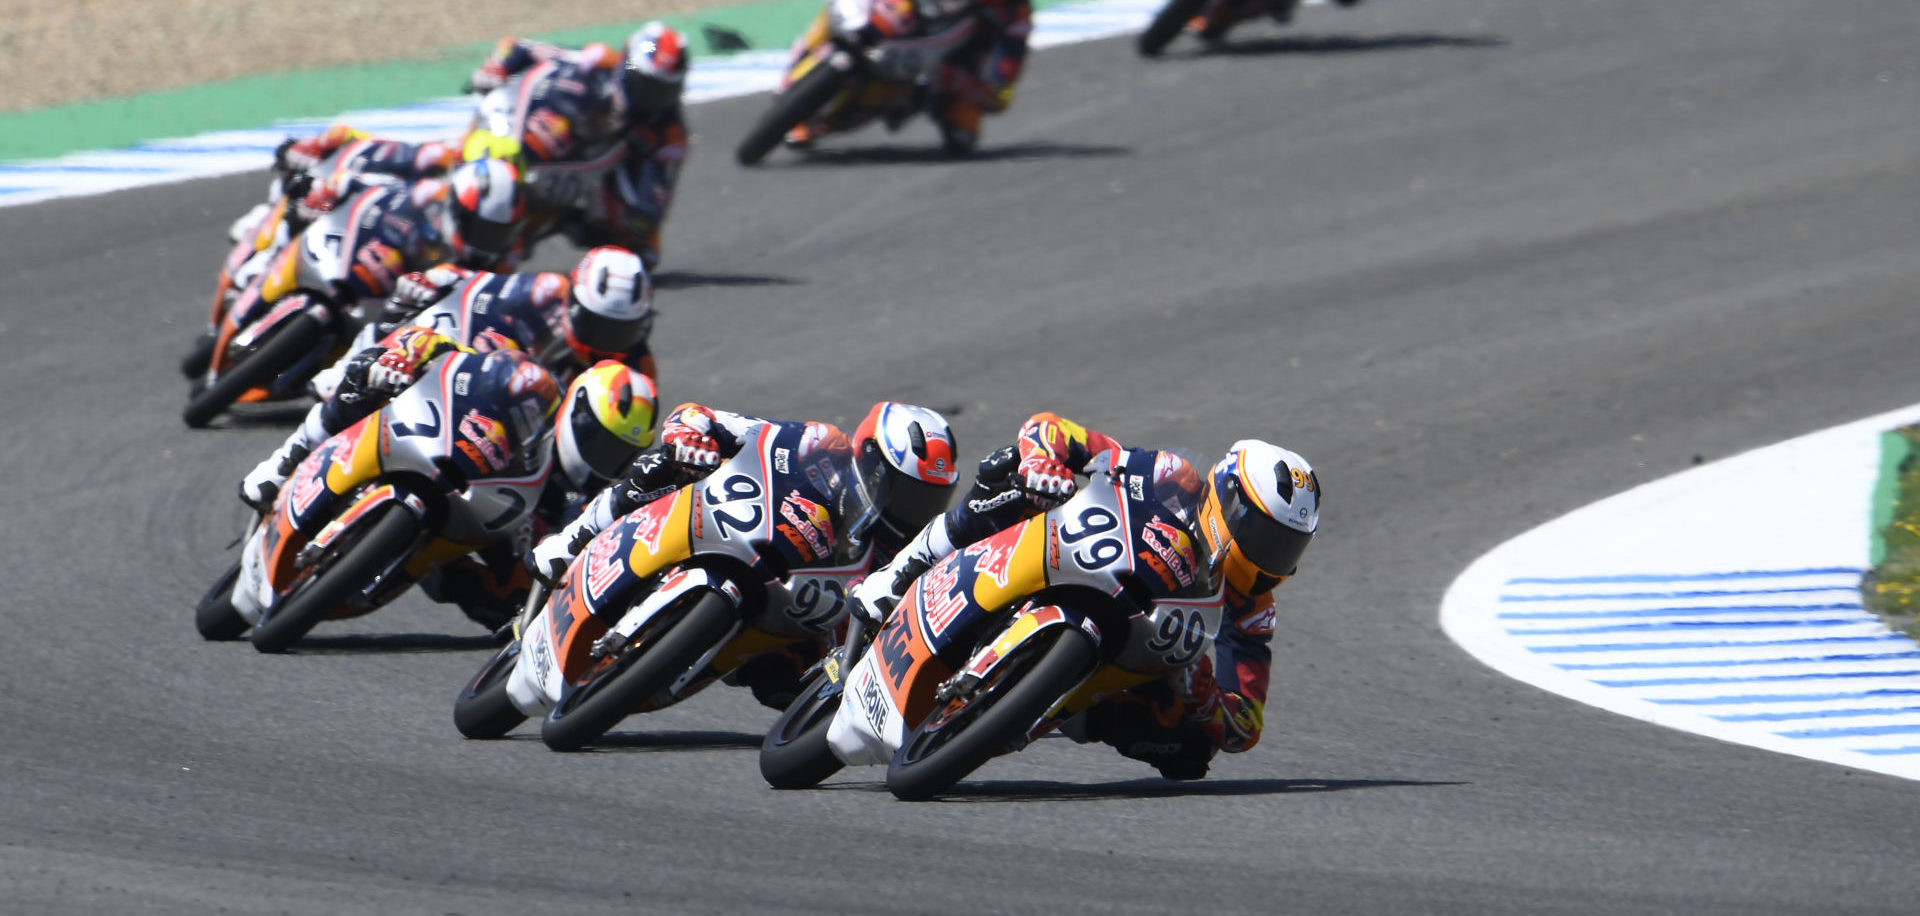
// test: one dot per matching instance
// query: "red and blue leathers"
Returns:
(572, 111)
(775, 677)
(529, 308)
(981, 76)
(1178, 723)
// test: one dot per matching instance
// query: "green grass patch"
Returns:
(1892, 588)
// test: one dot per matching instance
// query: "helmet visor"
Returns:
(607, 454)
(483, 240)
(648, 94)
(610, 337)
(1273, 547)
(887, 493)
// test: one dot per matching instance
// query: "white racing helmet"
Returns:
(610, 311)
(1261, 509)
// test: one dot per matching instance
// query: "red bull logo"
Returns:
(485, 440)
(1172, 552)
(808, 525)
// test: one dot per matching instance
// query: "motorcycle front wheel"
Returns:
(951, 744)
(642, 671)
(800, 102)
(215, 618)
(795, 754)
(354, 565)
(279, 353)
(483, 711)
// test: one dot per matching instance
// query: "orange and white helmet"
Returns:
(1261, 510)
(608, 416)
(904, 470)
(655, 68)
(611, 309)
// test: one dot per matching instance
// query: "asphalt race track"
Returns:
(1482, 262)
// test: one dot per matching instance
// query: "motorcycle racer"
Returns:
(904, 476)
(595, 95)
(1260, 509)
(296, 160)
(977, 78)
(981, 76)
(603, 310)
(605, 417)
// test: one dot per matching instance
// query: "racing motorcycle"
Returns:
(260, 235)
(450, 465)
(292, 318)
(1211, 19)
(677, 594)
(861, 60)
(552, 189)
(1009, 637)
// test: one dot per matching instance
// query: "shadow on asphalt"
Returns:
(1350, 44)
(1022, 790)
(395, 643)
(689, 279)
(254, 416)
(676, 741)
(931, 154)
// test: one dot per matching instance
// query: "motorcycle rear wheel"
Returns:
(215, 618)
(795, 754)
(483, 711)
(281, 350)
(800, 102)
(597, 706)
(930, 761)
(357, 562)
(1167, 25)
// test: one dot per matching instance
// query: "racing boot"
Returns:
(262, 484)
(959, 122)
(775, 677)
(486, 597)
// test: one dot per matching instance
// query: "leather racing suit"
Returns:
(1177, 723)
(569, 94)
(774, 678)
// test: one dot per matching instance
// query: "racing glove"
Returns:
(688, 436)
(1042, 474)
(487, 77)
(317, 203)
(423, 288)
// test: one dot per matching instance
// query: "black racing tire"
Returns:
(483, 711)
(199, 356)
(215, 618)
(795, 754)
(278, 353)
(617, 691)
(931, 761)
(390, 534)
(800, 102)
(1167, 25)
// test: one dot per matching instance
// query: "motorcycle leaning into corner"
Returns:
(861, 59)
(1210, 20)
(450, 465)
(293, 315)
(1007, 638)
(555, 189)
(743, 563)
